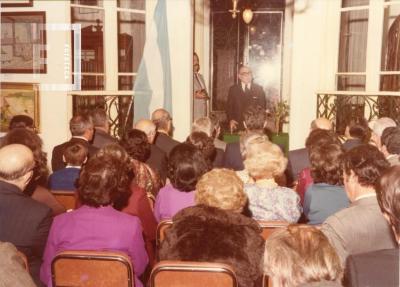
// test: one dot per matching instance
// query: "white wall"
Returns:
(314, 49)
(55, 106)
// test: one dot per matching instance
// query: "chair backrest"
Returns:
(66, 198)
(24, 260)
(268, 227)
(161, 228)
(92, 269)
(192, 274)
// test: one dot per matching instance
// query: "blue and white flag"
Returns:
(152, 87)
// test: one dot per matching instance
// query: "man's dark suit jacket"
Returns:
(238, 101)
(25, 223)
(373, 269)
(158, 161)
(165, 143)
(233, 157)
(297, 161)
(64, 179)
(58, 151)
(101, 139)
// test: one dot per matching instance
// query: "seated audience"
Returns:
(380, 268)
(158, 158)
(301, 255)
(13, 272)
(23, 221)
(163, 121)
(82, 130)
(101, 125)
(207, 125)
(138, 148)
(326, 195)
(37, 186)
(357, 133)
(317, 137)
(298, 158)
(390, 145)
(254, 123)
(361, 227)
(205, 144)
(103, 180)
(138, 203)
(186, 164)
(268, 201)
(74, 156)
(215, 231)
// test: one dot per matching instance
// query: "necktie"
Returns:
(247, 89)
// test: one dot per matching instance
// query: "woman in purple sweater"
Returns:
(96, 225)
(186, 164)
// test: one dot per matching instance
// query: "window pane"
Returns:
(88, 2)
(131, 38)
(352, 3)
(390, 60)
(390, 83)
(351, 83)
(92, 38)
(132, 4)
(125, 83)
(353, 41)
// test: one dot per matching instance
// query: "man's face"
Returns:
(196, 65)
(245, 75)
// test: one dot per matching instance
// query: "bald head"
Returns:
(148, 127)
(321, 123)
(16, 161)
(162, 119)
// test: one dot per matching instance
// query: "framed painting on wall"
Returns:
(23, 42)
(18, 99)
(16, 3)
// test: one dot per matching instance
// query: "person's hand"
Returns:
(233, 125)
(201, 94)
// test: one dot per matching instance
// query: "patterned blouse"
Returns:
(273, 203)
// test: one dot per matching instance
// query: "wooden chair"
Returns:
(161, 228)
(92, 269)
(192, 274)
(268, 227)
(66, 198)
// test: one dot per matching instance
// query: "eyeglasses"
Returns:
(245, 73)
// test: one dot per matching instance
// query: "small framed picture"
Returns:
(23, 42)
(18, 99)
(16, 3)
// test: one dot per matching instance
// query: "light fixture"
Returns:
(234, 9)
(247, 15)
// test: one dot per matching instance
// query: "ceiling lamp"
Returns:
(247, 15)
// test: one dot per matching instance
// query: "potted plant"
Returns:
(280, 115)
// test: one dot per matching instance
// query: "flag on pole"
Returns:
(152, 88)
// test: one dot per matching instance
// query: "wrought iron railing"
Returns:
(341, 106)
(117, 104)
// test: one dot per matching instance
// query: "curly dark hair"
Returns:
(103, 180)
(203, 143)
(254, 116)
(321, 137)
(186, 164)
(326, 163)
(30, 139)
(21, 121)
(136, 144)
(367, 163)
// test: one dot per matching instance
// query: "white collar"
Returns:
(79, 137)
(244, 85)
(73, 166)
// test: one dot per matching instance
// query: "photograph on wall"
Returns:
(18, 99)
(16, 3)
(23, 42)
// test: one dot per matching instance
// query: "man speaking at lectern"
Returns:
(241, 95)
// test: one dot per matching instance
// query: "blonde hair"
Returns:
(300, 254)
(263, 158)
(221, 188)
(204, 125)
